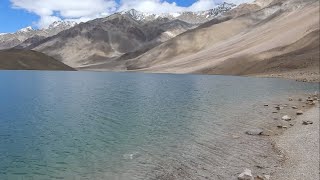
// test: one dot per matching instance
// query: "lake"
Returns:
(130, 126)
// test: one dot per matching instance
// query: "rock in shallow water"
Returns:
(246, 175)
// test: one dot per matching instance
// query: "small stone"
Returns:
(294, 107)
(274, 112)
(279, 108)
(267, 133)
(267, 177)
(246, 175)
(311, 103)
(291, 124)
(307, 122)
(286, 118)
(255, 132)
(282, 127)
(309, 99)
(300, 99)
(286, 105)
(266, 105)
(235, 137)
(259, 166)
(299, 112)
(290, 99)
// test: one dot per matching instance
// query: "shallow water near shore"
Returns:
(130, 126)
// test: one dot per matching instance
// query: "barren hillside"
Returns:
(277, 33)
(15, 59)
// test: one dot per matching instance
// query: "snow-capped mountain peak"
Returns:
(63, 24)
(9, 40)
(26, 29)
(190, 17)
(137, 15)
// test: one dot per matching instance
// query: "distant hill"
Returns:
(15, 59)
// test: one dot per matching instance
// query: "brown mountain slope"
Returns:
(299, 60)
(106, 39)
(14, 59)
(252, 35)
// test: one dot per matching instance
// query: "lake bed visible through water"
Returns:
(130, 126)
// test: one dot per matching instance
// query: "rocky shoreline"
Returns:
(288, 119)
(301, 76)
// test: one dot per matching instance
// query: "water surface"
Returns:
(129, 126)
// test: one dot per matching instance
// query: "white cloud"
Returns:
(52, 10)
(239, 1)
(84, 10)
(154, 6)
(160, 6)
(47, 20)
(202, 5)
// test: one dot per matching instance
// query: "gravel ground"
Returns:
(300, 144)
(307, 75)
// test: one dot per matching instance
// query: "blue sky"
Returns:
(17, 14)
(12, 19)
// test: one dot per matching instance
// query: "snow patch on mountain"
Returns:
(57, 24)
(26, 29)
(9, 40)
(190, 17)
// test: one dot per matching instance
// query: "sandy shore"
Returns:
(300, 144)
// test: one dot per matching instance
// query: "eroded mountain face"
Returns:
(120, 36)
(106, 39)
(279, 38)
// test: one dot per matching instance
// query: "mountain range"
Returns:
(263, 38)
(28, 34)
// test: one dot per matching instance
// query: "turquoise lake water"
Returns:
(128, 126)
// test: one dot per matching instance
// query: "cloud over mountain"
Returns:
(53, 10)
(84, 10)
